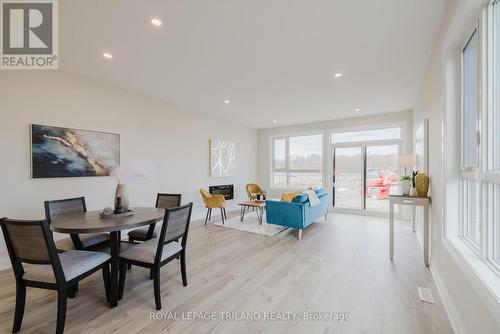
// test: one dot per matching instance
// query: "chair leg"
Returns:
(61, 310)
(222, 215)
(156, 284)
(210, 214)
(72, 290)
(151, 273)
(206, 218)
(225, 214)
(129, 266)
(183, 268)
(121, 281)
(107, 281)
(20, 302)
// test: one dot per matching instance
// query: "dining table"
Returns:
(93, 222)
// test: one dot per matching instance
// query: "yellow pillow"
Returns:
(289, 196)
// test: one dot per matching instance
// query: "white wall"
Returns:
(265, 136)
(469, 312)
(176, 141)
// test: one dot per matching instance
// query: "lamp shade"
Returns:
(408, 160)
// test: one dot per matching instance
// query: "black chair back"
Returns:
(61, 207)
(31, 241)
(167, 201)
(175, 225)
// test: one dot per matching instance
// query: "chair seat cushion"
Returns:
(146, 251)
(143, 231)
(88, 240)
(74, 264)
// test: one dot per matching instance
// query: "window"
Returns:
(470, 101)
(297, 162)
(366, 135)
(470, 184)
(479, 226)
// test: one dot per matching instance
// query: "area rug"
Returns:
(251, 224)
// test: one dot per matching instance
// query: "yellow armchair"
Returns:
(253, 190)
(213, 202)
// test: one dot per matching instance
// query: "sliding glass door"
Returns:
(348, 178)
(382, 176)
(365, 169)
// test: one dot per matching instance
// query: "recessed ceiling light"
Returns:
(156, 22)
(226, 101)
(357, 109)
(338, 75)
(275, 121)
(107, 55)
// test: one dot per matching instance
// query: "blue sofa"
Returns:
(298, 213)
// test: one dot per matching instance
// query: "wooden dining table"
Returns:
(92, 222)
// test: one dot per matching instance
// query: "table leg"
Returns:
(115, 252)
(426, 234)
(391, 230)
(243, 215)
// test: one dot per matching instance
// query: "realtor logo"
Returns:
(29, 34)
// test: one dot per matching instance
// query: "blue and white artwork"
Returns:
(65, 152)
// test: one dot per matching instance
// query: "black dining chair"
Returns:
(157, 252)
(163, 201)
(37, 264)
(57, 208)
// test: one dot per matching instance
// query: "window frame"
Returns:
(287, 169)
(484, 173)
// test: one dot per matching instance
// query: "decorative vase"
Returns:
(405, 185)
(121, 192)
(422, 184)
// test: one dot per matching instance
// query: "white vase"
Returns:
(121, 191)
(413, 192)
(405, 185)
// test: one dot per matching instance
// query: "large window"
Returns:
(480, 139)
(297, 161)
(470, 135)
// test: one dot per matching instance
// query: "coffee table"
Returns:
(254, 204)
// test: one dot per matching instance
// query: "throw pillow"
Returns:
(289, 196)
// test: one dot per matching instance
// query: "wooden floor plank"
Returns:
(340, 265)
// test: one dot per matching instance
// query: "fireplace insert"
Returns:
(227, 190)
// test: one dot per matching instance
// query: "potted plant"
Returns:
(406, 184)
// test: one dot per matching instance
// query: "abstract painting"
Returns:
(222, 158)
(65, 152)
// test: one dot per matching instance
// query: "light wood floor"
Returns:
(340, 265)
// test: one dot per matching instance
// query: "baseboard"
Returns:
(449, 305)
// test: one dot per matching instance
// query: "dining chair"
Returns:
(37, 264)
(157, 252)
(57, 208)
(163, 201)
(213, 202)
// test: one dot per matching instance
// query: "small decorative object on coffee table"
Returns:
(259, 205)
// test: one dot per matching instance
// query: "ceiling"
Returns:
(272, 59)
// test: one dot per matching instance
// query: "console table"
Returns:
(413, 201)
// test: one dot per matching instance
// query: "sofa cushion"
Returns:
(321, 192)
(301, 198)
(289, 196)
